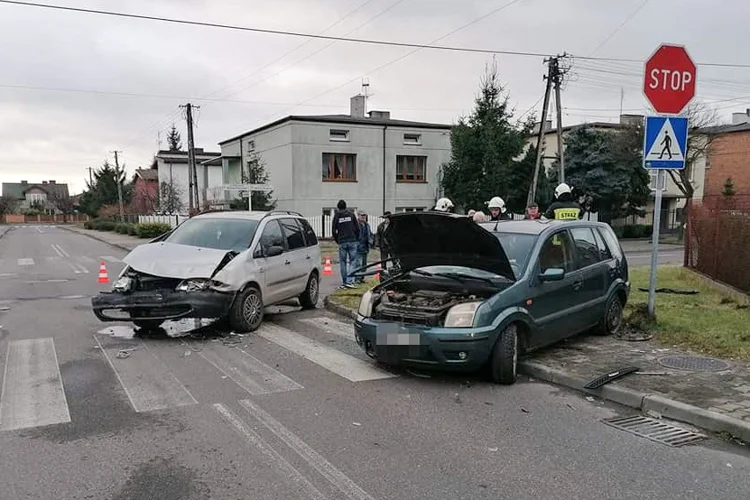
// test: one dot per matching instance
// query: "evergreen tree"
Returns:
(174, 140)
(103, 190)
(255, 174)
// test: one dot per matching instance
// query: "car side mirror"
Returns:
(274, 251)
(552, 274)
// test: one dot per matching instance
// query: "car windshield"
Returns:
(517, 247)
(221, 234)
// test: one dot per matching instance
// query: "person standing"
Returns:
(532, 212)
(497, 209)
(564, 207)
(379, 239)
(345, 231)
(364, 243)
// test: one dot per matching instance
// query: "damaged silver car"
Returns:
(217, 265)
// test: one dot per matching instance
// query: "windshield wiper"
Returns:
(464, 277)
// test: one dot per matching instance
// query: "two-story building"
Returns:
(727, 164)
(372, 161)
(172, 167)
(47, 197)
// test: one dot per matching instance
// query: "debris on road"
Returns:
(609, 377)
(672, 290)
(590, 399)
(356, 423)
(524, 410)
(492, 449)
(654, 414)
(125, 353)
(187, 353)
(417, 374)
(572, 407)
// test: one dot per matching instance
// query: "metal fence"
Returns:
(718, 243)
(672, 221)
(172, 220)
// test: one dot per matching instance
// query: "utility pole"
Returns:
(540, 140)
(119, 185)
(556, 76)
(193, 199)
(91, 176)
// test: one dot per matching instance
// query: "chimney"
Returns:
(23, 183)
(380, 115)
(52, 181)
(44, 183)
(740, 118)
(357, 106)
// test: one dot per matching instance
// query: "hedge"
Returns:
(152, 229)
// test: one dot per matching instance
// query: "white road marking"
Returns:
(279, 461)
(348, 367)
(38, 229)
(87, 259)
(62, 251)
(26, 262)
(248, 372)
(109, 258)
(333, 326)
(78, 268)
(144, 377)
(55, 258)
(340, 480)
(33, 394)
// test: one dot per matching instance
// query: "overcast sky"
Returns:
(46, 134)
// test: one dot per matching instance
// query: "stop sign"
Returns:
(669, 82)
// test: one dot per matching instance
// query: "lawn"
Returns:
(349, 298)
(710, 321)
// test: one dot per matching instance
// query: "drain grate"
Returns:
(694, 363)
(655, 430)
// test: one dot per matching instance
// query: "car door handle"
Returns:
(577, 284)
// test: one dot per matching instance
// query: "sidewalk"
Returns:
(642, 246)
(122, 241)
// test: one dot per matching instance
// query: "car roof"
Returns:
(245, 215)
(535, 227)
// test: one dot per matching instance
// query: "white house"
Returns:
(173, 170)
(370, 160)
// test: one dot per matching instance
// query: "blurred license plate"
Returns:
(398, 339)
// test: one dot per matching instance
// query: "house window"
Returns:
(413, 139)
(410, 209)
(36, 197)
(251, 145)
(411, 168)
(338, 167)
(339, 135)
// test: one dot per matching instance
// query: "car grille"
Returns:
(146, 283)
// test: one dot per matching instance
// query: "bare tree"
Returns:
(7, 205)
(170, 198)
(64, 203)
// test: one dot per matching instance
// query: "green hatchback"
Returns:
(463, 296)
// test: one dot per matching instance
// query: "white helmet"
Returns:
(497, 202)
(561, 189)
(443, 205)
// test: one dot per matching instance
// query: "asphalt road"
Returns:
(294, 411)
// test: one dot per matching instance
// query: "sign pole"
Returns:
(655, 244)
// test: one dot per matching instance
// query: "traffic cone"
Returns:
(103, 278)
(327, 269)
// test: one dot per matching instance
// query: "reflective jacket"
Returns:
(564, 210)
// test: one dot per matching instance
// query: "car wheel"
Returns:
(505, 357)
(309, 298)
(247, 311)
(148, 325)
(613, 317)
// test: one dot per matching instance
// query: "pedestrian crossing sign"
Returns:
(665, 142)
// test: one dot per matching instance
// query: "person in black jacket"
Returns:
(564, 207)
(345, 231)
(380, 241)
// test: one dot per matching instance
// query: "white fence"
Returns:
(172, 220)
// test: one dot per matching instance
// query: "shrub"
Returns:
(637, 231)
(133, 230)
(88, 224)
(104, 225)
(123, 227)
(152, 229)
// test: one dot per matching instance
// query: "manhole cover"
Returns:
(694, 363)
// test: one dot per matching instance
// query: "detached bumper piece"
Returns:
(160, 305)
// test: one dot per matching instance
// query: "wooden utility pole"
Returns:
(91, 176)
(119, 185)
(540, 140)
(557, 80)
(193, 199)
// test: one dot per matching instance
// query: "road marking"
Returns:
(78, 268)
(26, 262)
(348, 367)
(279, 461)
(33, 394)
(38, 229)
(333, 326)
(87, 259)
(60, 250)
(340, 480)
(109, 258)
(144, 377)
(248, 372)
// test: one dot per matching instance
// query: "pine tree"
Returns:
(174, 140)
(256, 174)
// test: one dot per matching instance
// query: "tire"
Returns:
(246, 314)
(504, 361)
(148, 325)
(613, 317)
(309, 298)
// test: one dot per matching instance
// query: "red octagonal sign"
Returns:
(669, 82)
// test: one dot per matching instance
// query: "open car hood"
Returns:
(420, 239)
(169, 260)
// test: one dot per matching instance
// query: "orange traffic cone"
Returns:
(327, 269)
(103, 278)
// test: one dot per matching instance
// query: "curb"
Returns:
(667, 408)
(337, 309)
(102, 240)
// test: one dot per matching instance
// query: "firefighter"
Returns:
(497, 209)
(444, 205)
(564, 207)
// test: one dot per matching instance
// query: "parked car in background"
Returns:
(470, 295)
(217, 265)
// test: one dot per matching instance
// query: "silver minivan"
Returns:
(217, 265)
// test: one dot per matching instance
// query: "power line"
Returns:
(622, 24)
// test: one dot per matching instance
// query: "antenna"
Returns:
(365, 87)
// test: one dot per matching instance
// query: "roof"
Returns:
(147, 174)
(568, 128)
(534, 227)
(17, 191)
(345, 119)
(198, 152)
(726, 129)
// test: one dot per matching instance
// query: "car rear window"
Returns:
(518, 248)
(220, 234)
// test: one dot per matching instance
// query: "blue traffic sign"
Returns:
(665, 142)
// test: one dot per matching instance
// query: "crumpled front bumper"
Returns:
(161, 305)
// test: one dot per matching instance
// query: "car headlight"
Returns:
(123, 284)
(194, 285)
(462, 315)
(365, 304)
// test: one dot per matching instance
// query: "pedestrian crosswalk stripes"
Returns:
(26, 262)
(33, 394)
